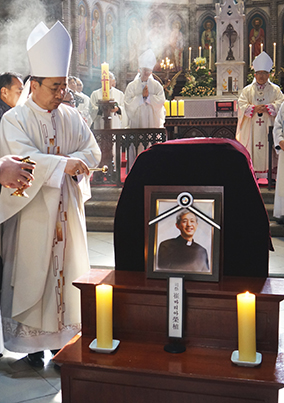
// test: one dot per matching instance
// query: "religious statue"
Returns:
(110, 42)
(96, 32)
(177, 45)
(208, 38)
(134, 40)
(83, 36)
(256, 36)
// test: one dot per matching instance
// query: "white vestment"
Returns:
(279, 189)
(118, 121)
(148, 112)
(252, 129)
(144, 112)
(44, 240)
(84, 108)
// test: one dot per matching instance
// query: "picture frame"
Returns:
(166, 251)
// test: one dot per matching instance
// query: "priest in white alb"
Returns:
(144, 99)
(44, 239)
(259, 103)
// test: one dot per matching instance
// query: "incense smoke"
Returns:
(21, 18)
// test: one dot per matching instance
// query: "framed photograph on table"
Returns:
(183, 231)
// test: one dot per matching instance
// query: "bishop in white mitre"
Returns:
(258, 105)
(44, 239)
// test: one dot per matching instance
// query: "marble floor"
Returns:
(19, 383)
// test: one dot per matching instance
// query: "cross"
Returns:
(259, 121)
(259, 145)
(104, 80)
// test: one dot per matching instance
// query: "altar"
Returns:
(141, 371)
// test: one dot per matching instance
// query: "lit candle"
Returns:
(105, 81)
(104, 315)
(274, 54)
(180, 107)
(199, 51)
(173, 107)
(250, 55)
(261, 47)
(246, 327)
(210, 61)
(189, 58)
(167, 107)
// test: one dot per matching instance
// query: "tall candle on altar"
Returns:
(199, 51)
(274, 54)
(189, 58)
(250, 55)
(261, 47)
(104, 315)
(246, 327)
(210, 57)
(105, 81)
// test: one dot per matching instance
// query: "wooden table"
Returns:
(141, 371)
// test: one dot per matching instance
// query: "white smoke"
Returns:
(14, 32)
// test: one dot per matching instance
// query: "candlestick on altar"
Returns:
(189, 58)
(199, 51)
(261, 47)
(210, 57)
(274, 54)
(250, 55)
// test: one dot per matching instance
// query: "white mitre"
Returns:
(262, 62)
(147, 60)
(49, 51)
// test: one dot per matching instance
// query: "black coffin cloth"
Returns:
(198, 162)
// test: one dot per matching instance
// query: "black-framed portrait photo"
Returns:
(183, 227)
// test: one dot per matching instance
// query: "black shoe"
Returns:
(36, 359)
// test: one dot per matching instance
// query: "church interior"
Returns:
(200, 157)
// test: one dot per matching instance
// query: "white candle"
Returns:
(261, 47)
(250, 55)
(274, 54)
(210, 61)
(189, 58)
(199, 51)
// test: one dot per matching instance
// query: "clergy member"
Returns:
(144, 99)
(118, 115)
(259, 103)
(40, 306)
(278, 135)
(144, 96)
(11, 87)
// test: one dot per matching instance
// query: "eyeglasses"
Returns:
(61, 90)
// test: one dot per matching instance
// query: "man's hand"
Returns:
(75, 166)
(260, 109)
(13, 174)
(281, 143)
(145, 92)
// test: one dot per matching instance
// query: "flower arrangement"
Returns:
(199, 80)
